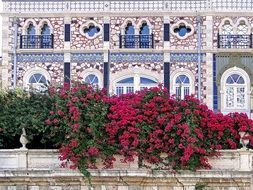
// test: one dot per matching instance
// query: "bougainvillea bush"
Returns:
(163, 131)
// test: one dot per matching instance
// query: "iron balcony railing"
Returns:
(36, 41)
(136, 41)
(235, 41)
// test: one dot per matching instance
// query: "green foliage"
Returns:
(19, 110)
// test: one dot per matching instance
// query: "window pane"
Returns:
(240, 97)
(119, 90)
(129, 89)
(186, 91)
(178, 92)
(91, 79)
(230, 97)
(147, 81)
(129, 80)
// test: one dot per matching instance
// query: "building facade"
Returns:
(201, 47)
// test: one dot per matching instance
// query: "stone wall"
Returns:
(23, 169)
(189, 43)
(117, 26)
(58, 29)
(80, 41)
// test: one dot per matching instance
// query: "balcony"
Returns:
(234, 41)
(136, 41)
(37, 41)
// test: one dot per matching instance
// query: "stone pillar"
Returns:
(106, 48)
(7, 44)
(67, 55)
(208, 67)
(22, 158)
(245, 160)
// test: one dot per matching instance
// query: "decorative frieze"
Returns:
(40, 57)
(87, 57)
(136, 57)
(185, 57)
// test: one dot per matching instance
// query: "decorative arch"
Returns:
(87, 26)
(141, 22)
(27, 24)
(31, 72)
(179, 72)
(226, 21)
(42, 23)
(136, 73)
(92, 71)
(125, 23)
(182, 25)
(243, 21)
(235, 91)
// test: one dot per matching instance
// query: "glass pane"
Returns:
(235, 78)
(230, 97)
(182, 79)
(144, 29)
(129, 89)
(45, 30)
(147, 81)
(119, 90)
(186, 91)
(227, 29)
(240, 97)
(31, 30)
(242, 29)
(91, 79)
(178, 92)
(129, 80)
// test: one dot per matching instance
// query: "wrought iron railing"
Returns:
(136, 41)
(36, 41)
(235, 41)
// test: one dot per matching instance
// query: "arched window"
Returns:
(92, 79)
(235, 91)
(31, 32)
(129, 36)
(37, 82)
(242, 28)
(144, 36)
(132, 84)
(182, 86)
(45, 36)
(227, 28)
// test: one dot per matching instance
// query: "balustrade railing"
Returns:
(136, 41)
(36, 41)
(235, 41)
(24, 6)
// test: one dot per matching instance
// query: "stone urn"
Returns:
(23, 140)
(244, 142)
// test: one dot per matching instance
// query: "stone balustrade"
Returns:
(22, 6)
(25, 169)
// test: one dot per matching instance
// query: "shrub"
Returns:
(19, 110)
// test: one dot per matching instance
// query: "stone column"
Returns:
(67, 54)
(106, 48)
(208, 67)
(7, 45)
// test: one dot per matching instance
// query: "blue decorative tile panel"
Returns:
(215, 88)
(40, 57)
(87, 57)
(136, 57)
(185, 57)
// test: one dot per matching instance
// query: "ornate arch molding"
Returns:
(229, 20)
(182, 23)
(131, 72)
(32, 71)
(87, 24)
(183, 71)
(26, 25)
(239, 66)
(41, 24)
(93, 71)
(124, 25)
(243, 19)
(144, 20)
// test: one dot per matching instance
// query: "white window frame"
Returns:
(223, 85)
(29, 73)
(187, 73)
(95, 72)
(136, 83)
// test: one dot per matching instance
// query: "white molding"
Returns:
(93, 71)
(41, 24)
(87, 25)
(186, 24)
(26, 25)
